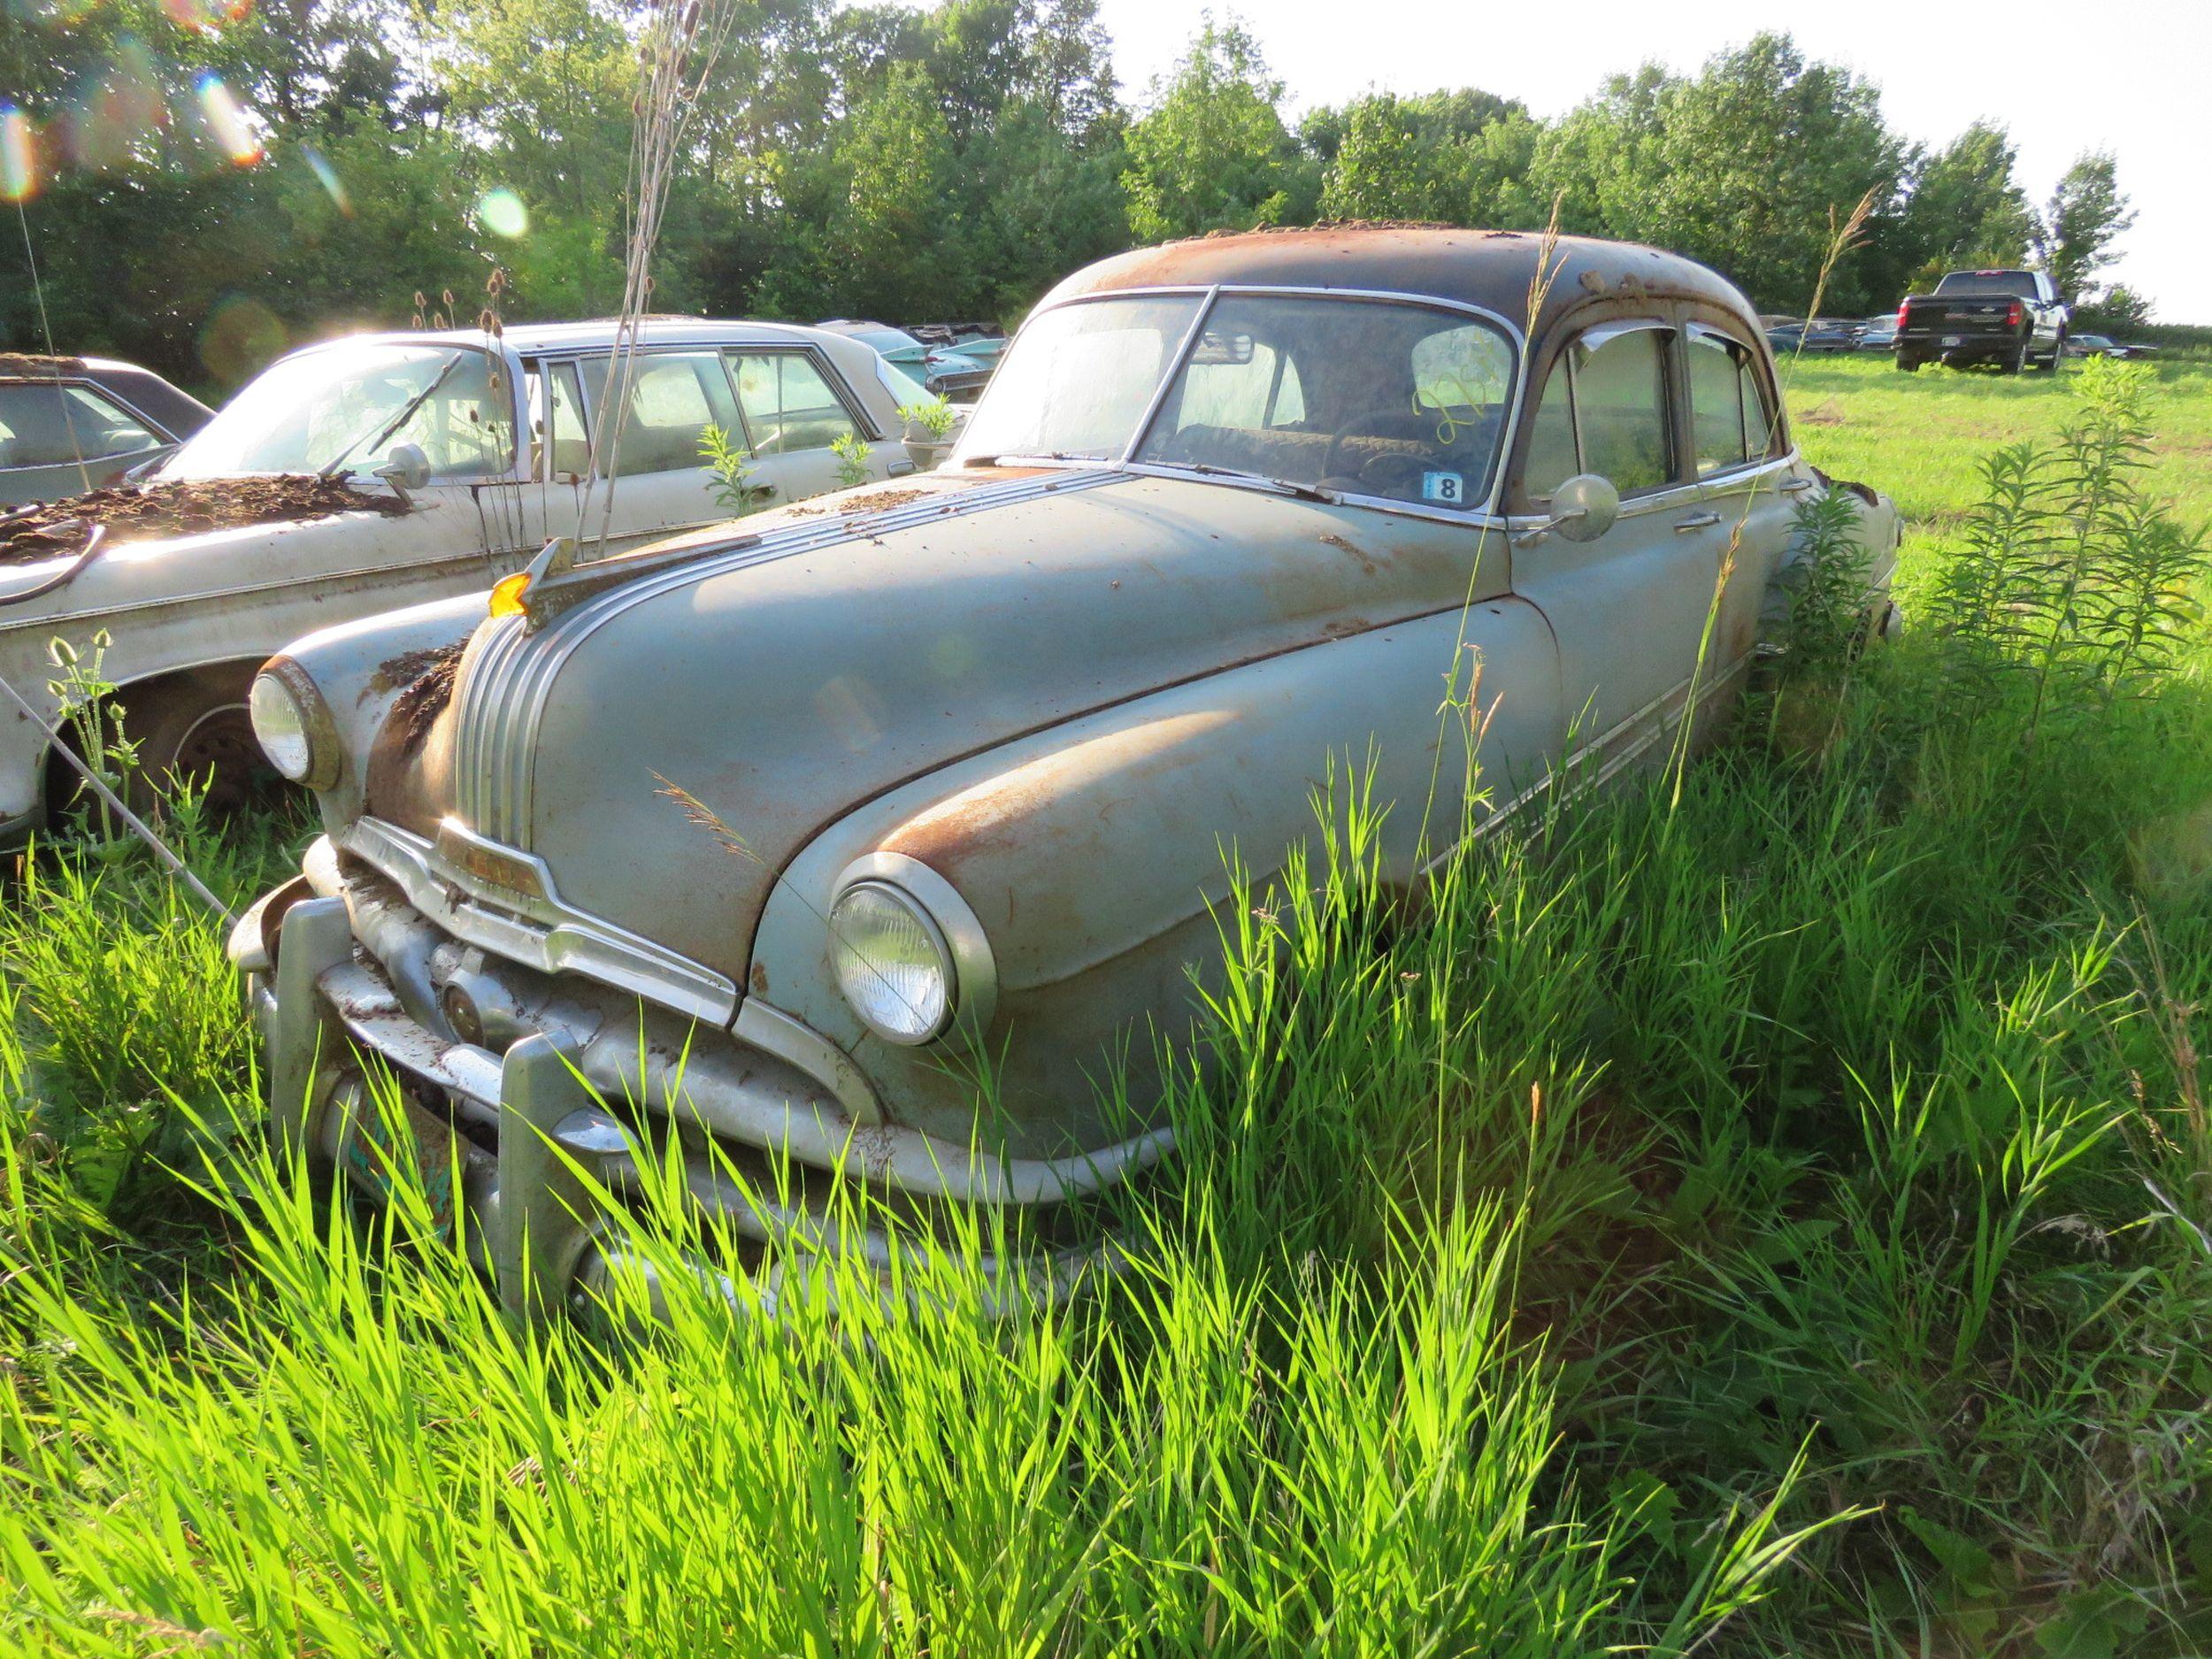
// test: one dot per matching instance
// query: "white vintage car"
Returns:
(450, 459)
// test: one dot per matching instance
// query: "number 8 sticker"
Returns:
(1447, 487)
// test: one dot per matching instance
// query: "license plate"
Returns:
(1953, 340)
(378, 1155)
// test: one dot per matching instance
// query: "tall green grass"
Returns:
(1772, 1216)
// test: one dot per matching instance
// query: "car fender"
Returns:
(1096, 854)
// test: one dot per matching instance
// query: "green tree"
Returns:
(1966, 207)
(2086, 215)
(1461, 157)
(1739, 167)
(1213, 153)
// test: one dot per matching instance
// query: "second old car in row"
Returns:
(380, 470)
(746, 852)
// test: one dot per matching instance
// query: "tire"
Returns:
(2058, 353)
(197, 728)
(2017, 363)
(1910, 365)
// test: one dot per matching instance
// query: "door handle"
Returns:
(1696, 521)
(1793, 486)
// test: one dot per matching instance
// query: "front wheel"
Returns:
(199, 732)
(2058, 353)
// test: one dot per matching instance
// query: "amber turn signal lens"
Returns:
(507, 594)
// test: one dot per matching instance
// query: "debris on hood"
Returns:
(183, 506)
(428, 677)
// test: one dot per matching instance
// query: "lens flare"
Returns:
(19, 155)
(205, 17)
(502, 213)
(240, 337)
(328, 177)
(228, 123)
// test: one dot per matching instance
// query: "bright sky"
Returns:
(2062, 76)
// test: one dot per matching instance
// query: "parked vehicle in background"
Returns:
(1876, 333)
(978, 342)
(1819, 334)
(73, 424)
(2012, 320)
(382, 470)
(2103, 346)
(758, 845)
(942, 371)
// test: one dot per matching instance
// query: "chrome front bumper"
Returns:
(545, 1097)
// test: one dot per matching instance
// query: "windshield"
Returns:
(2007, 284)
(1382, 398)
(348, 407)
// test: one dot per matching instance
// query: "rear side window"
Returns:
(788, 406)
(674, 397)
(53, 426)
(1730, 422)
(1605, 406)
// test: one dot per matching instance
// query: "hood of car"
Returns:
(192, 558)
(665, 744)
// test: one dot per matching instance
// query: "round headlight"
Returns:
(294, 728)
(892, 963)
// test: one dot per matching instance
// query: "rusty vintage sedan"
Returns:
(760, 842)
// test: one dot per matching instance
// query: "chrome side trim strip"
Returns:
(544, 934)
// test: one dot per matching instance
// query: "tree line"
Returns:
(203, 182)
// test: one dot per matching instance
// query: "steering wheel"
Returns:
(1393, 470)
(1375, 423)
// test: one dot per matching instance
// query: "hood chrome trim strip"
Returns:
(503, 699)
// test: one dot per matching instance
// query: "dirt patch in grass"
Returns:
(139, 512)
(1821, 415)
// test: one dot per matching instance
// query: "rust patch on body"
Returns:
(139, 512)
(1864, 491)
(32, 366)
(758, 979)
(1366, 559)
(416, 710)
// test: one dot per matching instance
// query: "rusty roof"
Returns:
(1493, 269)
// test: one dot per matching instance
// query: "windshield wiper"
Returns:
(398, 420)
(1288, 486)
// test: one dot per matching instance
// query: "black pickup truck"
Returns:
(2012, 318)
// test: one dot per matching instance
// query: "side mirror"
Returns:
(1582, 510)
(406, 465)
(406, 468)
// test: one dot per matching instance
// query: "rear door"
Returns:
(1736, 448)
(796, 414)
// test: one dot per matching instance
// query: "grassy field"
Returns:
(1767, 1211)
